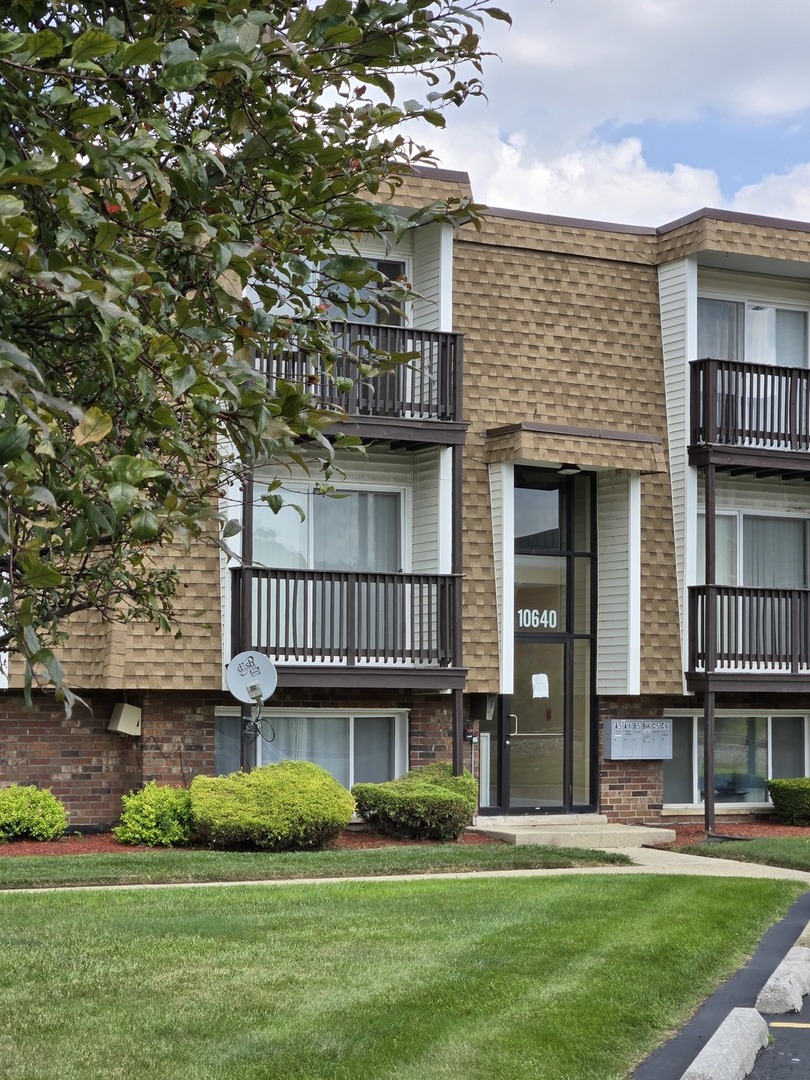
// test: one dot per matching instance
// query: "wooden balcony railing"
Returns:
(739, 628)
(322, 616)
(753, 405)
(427, 387)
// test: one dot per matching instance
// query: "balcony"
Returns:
(750, 416)
(339, 628)
(412, 399)
(742, 637)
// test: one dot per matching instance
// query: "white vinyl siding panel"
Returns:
(426, 509)
(771, 290)
(616, 669)
(770, 496)
(677, 286)
(502, 496)
(427, 275)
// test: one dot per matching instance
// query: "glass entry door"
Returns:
(544, 749)
(535, 738)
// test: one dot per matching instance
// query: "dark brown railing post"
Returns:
(711, 376)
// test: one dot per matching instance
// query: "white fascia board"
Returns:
(502, 480)
(634, 585)
(446, 509)
(446, 278)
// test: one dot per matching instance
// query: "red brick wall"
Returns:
(89, 768)
(630, 792)
(85, 766)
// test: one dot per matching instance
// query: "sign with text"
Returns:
(638, 740)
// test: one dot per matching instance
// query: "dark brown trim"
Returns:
(450, 175)
(744, 459)
(708, 213)
(749, 683)
(424, 432)
(576, 223)
(326, 676)
(564, 429)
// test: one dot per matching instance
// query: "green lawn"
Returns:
(149, 866)
(555, 978)
(791, 852)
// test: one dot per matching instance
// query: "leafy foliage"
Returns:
(158, 816)
(180, 183)
(30, 813)
(791, 800)
(428, 803)
(291, 806)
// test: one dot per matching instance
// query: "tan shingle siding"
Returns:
(562, 326)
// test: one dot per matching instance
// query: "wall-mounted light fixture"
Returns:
(569, 470)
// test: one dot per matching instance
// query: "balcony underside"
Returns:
(748, 682)
(403, 431)
(762, 462)
(372, 676)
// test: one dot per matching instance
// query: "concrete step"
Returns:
(580, 830)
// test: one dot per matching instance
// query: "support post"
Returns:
(708, 762)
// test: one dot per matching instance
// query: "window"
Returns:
(754, 332)
(355, 747)
(758, 550)
(359, 530)
(749, 750)
(372, 310)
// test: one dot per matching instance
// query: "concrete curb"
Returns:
(731, 1052)
(783, 992)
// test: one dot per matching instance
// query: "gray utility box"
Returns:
(638, 740)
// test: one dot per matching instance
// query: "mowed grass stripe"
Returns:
(561, 977)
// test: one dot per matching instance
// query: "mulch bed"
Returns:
(76, 844)
(105, 843)
(748, 830)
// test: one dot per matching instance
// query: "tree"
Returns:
(180, 182)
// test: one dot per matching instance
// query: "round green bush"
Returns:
(424, 804)
(291, 806)
(30, 813)
(156, 816)
(791, 800)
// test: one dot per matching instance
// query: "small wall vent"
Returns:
(125, 719)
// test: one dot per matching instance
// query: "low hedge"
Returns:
(791, 800)
(30, 813)
(291, 806)
(425, 804)
(157, 815)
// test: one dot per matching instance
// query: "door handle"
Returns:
(513, 717)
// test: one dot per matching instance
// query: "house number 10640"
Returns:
(534, 618)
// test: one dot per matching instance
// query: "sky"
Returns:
(640, 111)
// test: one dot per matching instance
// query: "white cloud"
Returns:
(785, 196)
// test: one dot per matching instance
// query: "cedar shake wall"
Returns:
(562, 326)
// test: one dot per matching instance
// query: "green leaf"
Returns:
(37, 574)
(94, 426)
(121, 497)
(145, 525)
(13, 442)
(91, 44)
(183, 76)
(139, 54)
(133, 470)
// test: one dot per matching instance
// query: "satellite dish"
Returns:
(251, 677)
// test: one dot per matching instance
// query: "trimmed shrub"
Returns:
(156, 816)
(30, 813)
(291, 806)
(425, 804)
(791, 800)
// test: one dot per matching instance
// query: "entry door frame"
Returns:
(567, 638)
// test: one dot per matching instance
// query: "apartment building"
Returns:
(601, 528)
